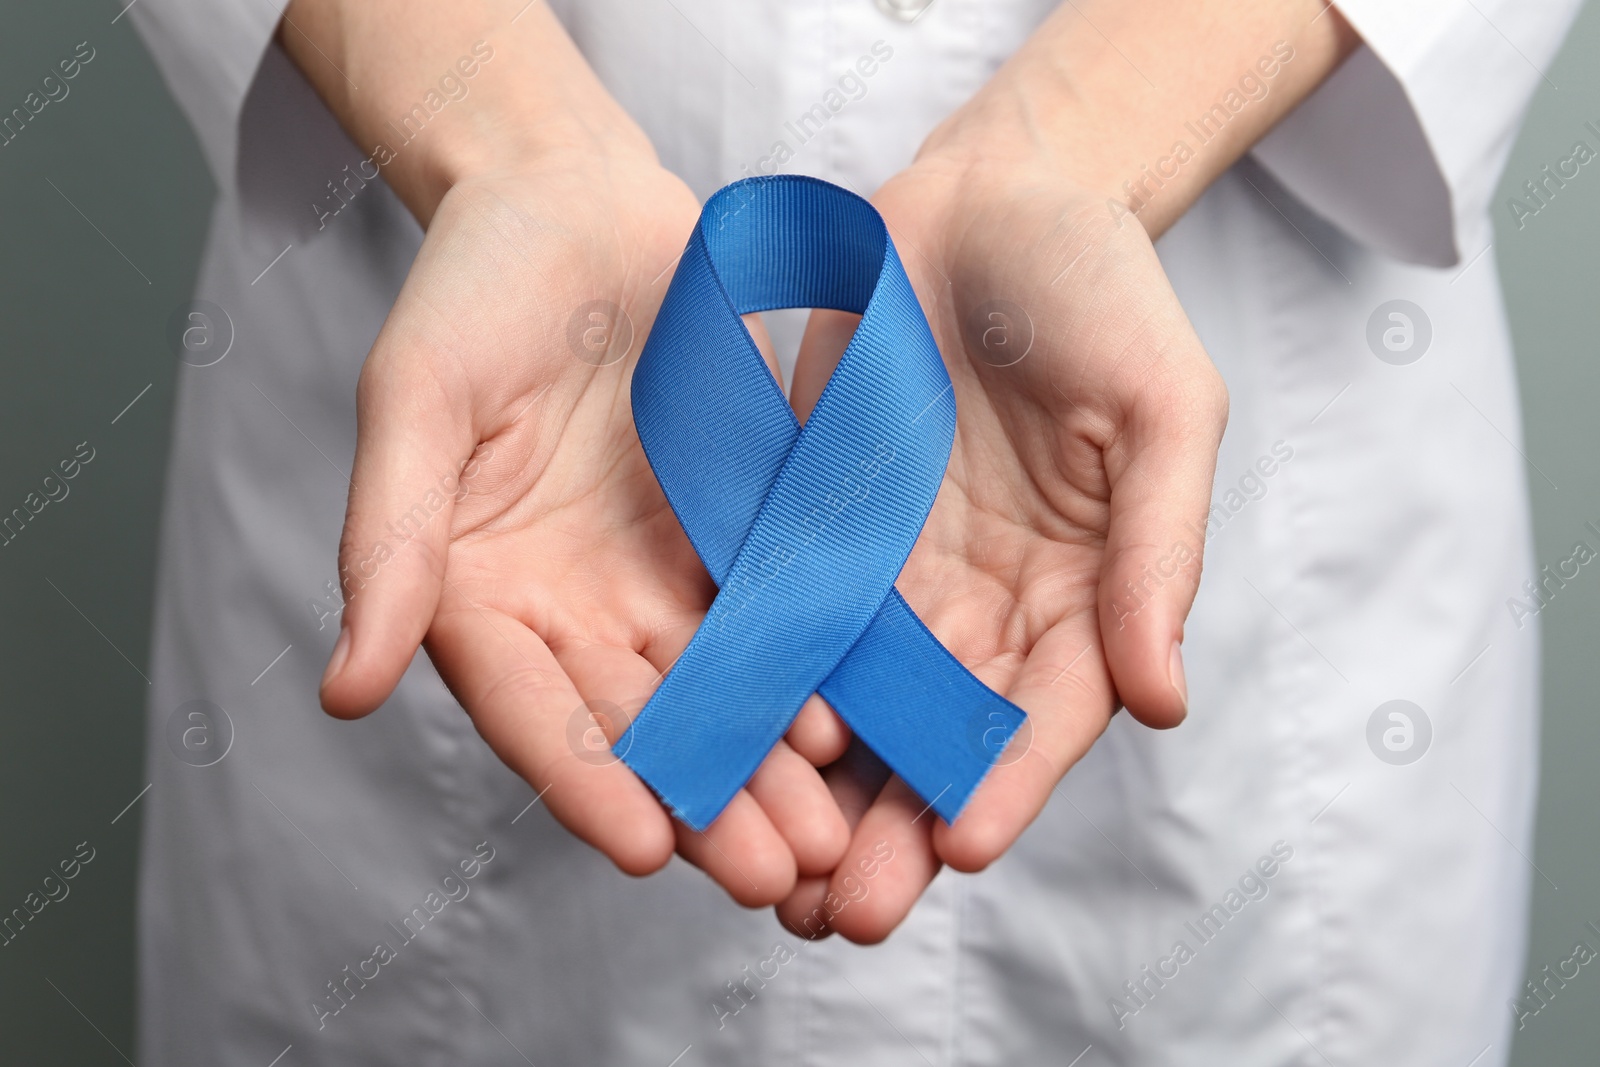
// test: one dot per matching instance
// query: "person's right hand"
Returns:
(556, 582)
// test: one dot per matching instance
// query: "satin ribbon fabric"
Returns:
(804, 530)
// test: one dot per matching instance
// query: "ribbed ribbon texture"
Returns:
(804, 530)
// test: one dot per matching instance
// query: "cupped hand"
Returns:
(502, 514)
(1063, 551)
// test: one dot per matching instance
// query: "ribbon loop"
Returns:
(804, 530)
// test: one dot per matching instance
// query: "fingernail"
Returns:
(1180, 685)
(341, 652)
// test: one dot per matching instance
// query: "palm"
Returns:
(558, 587)
(1074, 371)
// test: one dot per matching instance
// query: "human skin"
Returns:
(562, 576)
(1087, 464)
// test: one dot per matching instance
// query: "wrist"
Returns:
(1066, 107)
(455, 93)
(1031, 117)
(501, 138)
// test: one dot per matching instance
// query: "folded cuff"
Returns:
(1403, 145)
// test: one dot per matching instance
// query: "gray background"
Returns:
(90, 270)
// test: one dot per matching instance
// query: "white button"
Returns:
(904, 10)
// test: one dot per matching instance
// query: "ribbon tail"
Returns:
(914, 704)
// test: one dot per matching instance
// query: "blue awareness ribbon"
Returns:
(804, 530)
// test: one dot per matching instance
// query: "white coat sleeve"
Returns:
(208, 52)
(1403, 145)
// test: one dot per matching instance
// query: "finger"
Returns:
(764, 872)
(817, 733)
(413, 440)
(791, 800)
(855, 781)
(1160, 475)
(786, 784)
(523, 704)
(745, 852)
(802, 912)
(793, 795)
(890, 863)
(1066, 690)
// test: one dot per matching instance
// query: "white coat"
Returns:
(1303, 873)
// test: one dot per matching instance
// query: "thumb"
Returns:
(1161, 473)
(413, 446)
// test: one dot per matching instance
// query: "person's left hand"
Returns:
(1063, 551)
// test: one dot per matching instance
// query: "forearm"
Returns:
(1146, 102)
(442, 90)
